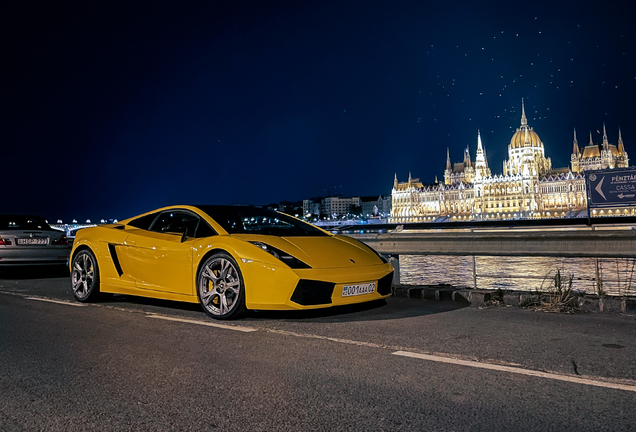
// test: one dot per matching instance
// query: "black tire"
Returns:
(85, 276)
(220, 287)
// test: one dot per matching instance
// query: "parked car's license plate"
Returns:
(32, 241)
(360, 289)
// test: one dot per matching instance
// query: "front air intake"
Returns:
(312, 292)
(385, 284)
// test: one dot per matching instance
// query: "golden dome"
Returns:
(525, 134)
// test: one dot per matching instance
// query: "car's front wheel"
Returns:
(85, 276)
(220, 287)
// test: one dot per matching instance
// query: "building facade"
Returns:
(376, 206)
(331, 206)
(527, 188)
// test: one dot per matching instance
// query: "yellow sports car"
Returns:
(228, 258)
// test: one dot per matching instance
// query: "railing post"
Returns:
(475, 271)
(394, 260)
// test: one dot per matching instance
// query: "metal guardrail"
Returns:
(614, 238)
(583, 223)
(579, 240)
(614, 243)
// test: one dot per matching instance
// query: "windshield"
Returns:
(254, 220)
(23, 222)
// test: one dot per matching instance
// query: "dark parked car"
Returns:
(29, 240)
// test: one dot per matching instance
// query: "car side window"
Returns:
(176, 222)
(143, 222)
(182, 222)
(205, 230)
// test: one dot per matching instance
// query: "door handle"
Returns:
(130, 243)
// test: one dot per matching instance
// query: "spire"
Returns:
(409, 178)
(481, 164)
(395, 182)
(479, 147)
(621, 147)
(467, 157)
(575, 149)
(605, 143)
(448, 163)
(591, 143)
(524, 120)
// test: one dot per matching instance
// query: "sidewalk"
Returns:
(486, 298)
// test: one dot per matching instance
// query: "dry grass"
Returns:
(558, 299)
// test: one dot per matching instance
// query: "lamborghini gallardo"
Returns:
(227, 258)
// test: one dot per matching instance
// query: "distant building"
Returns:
(338, 206)
(330, 206)
(311, 207)
(376, 206)
(528, 188)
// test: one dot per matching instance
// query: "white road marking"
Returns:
(68, 303)
(516, 370)
(344, 341)
(205, 323)
(435, 358)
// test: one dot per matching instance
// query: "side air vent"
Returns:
(384, 284)
(113, 255)
(311, 292)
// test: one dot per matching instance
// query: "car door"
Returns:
(160, 258)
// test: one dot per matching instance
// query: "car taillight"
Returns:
(62, 241)
(5, 242)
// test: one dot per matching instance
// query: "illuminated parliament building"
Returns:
(528, 187)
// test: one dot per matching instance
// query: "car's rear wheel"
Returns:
(85, 276)
(220, 287)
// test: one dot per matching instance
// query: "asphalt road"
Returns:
(138, 364)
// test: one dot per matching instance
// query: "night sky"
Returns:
(110, 109)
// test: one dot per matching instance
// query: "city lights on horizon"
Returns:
(88, 221)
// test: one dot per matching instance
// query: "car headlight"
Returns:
(291, 261)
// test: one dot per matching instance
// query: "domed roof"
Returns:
(525, 134)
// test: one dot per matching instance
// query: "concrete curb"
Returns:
(477, 298)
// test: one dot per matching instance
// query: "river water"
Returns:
(616, 276)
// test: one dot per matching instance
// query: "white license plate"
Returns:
(32, 241)
(360, 289)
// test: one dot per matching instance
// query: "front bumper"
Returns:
(281, 288)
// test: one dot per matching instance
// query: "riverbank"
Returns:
(548, 301)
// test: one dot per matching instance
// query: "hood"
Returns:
(321, 252)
